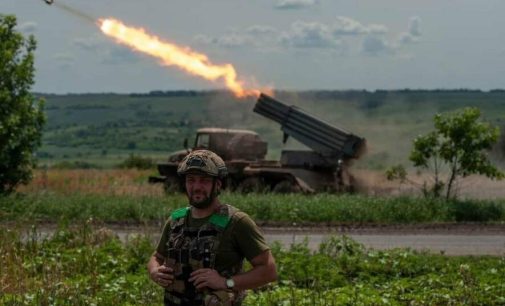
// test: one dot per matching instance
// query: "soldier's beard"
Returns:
(207, 199)
(204, 203)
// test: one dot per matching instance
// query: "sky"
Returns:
(283, 44)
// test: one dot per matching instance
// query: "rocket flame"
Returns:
(171, 54)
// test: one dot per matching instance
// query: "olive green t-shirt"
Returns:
(241, 239)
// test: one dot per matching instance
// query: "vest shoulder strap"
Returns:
(179, 213)
(223, 217)
(219, 220)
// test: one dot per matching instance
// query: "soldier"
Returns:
(200, 254)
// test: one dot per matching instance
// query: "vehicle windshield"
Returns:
(202, 141)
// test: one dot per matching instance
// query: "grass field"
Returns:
(104, 128)
(125, 196)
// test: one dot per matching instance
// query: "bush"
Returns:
(137, 162)
(476, 211)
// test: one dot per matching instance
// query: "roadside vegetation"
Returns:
(124, 196)
(81, 266)
(458, 147)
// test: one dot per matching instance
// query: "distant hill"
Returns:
(105, 128)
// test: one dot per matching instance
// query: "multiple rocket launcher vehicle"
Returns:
(321, 169)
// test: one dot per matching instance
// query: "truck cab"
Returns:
(238, 148)
(231, 144)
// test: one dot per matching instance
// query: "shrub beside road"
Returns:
(269, 208)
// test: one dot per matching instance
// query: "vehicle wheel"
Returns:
(286, 186)
(251, 184)
(171, 185)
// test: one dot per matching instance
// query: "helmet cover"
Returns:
(203, 161)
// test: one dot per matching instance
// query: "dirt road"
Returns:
(435, 243)
(453, 239)
(448, 239)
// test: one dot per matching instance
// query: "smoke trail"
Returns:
(75, 12)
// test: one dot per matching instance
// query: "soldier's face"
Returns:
(199, 189)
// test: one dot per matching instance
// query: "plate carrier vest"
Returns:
(190, 249)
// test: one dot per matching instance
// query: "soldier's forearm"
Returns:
(256, 277)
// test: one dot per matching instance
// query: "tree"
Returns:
(459, 144)
(21, 115)
(499, 148)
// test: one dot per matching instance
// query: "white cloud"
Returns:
(373, 45)
(309, 35)
(413, 33)
(318, 35)
(233, 40)
(348, 26)
(339, 35)
(406, 38)
(299, 35)
(260, 29)
(294, 4)
(255, 35)
(28, 27)
(377, 29)
(204, 39)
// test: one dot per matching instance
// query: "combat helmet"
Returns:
(204, 161)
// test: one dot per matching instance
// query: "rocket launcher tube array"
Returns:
(325, 139)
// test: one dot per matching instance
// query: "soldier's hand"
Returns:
(202, 278)
(162, 275)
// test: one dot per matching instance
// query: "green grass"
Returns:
(287, 209)
(82, 266)
(54, 207)
(81, 127)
